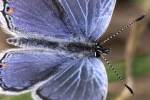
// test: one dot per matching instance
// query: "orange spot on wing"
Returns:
(3, 65)
(10, 11)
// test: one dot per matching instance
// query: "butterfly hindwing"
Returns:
(81, 79)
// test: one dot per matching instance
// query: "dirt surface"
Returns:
(142, 89)
(123, 15)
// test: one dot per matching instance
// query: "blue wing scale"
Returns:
(78, 80)
(62, 18)
(25, 68)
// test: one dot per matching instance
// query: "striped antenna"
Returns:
(122, 29)
(117, 74)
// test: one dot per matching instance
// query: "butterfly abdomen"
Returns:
(54, 44)
(32, 42)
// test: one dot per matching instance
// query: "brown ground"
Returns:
(123, 15)
(142, 87)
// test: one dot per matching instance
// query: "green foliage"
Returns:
(136, 1)
(119, 66)
(141, 67)
(21, 97)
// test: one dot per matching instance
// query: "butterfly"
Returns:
(57, 54)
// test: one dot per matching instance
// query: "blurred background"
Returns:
(130, 52)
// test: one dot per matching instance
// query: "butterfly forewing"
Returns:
(61, 18)
(89, 17)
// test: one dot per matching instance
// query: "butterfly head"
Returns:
(99, 49)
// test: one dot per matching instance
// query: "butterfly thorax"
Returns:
(71, 46)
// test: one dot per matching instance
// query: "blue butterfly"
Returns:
(57, 54)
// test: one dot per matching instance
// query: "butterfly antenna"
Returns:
(117, 74)
(123, 28)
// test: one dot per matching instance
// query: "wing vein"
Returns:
(66, 80)
(71, 12)
(70, 86)
(62, 73)
(78, 83)
(86, 18)
(100, 16)
(84, 90)
(81, 8)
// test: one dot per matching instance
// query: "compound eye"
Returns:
(97, 54)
